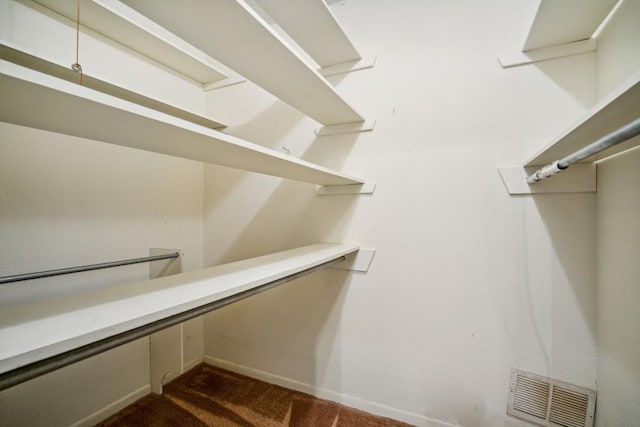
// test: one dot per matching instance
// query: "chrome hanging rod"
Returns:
(69, 270)
(35, 369)
(616, 137)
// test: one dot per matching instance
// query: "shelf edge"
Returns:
(272, 270)
(611, 112)
(40, 101)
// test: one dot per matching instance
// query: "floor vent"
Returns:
(550, 402)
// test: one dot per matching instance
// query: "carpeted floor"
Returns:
(209, 396)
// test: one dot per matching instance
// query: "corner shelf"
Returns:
(40, 101)
(48, 328)
(234, 34)
(620, 107)
(113, 19)
(304, 21)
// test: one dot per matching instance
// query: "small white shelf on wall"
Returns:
(115, 20)
(551, 27)
(234, 34)
(31, 332)
(553, 36)
(37, 100)
(617, 109)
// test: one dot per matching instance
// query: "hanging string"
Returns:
(77, 67)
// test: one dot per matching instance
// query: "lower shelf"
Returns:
(31, 333)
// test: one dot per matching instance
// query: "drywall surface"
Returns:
(68, 201)
(618, 54)
(618, 316)
(467, 281)
(618, 236)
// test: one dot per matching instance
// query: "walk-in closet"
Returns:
(334, 213)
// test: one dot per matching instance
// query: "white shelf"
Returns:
(567, 21)
(30, 332)
(21, 57)
(304, 20)
(118, 22)
(233, 33)
(40, 101)
(617, 109)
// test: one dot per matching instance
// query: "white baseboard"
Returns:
(192, 364)
(113, 407)
(127, 400)
(351, 401)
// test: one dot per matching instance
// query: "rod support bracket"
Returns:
(579, 178)
(355, 127)
(359, 261)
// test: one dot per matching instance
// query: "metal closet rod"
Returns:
(35, 369)
(616, 137)
(69, 270)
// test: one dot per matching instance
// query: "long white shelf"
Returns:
(31, 332)
(119, 22)
(617, 109)
(233, 33)
(304, 21)
(40, 101)
(48, 66)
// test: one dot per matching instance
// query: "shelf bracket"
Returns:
(334, 190)
(580, 178)
(354, 127)
(359, 261)
(547, 53)
(348, 67)
(226, 82)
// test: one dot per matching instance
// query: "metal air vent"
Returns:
(550, 402)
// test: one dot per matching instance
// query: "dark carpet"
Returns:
(210, 396)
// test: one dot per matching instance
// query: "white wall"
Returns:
(618, 234)
(67, 201)
(467, 281)
(618, 55)
(618, 374)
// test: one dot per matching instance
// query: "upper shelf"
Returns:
(37, 100)
(234, 34)
(566, 21)
(617, 109)
(118, 22)
(48, 66)
(30, 332)
(304, 20)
